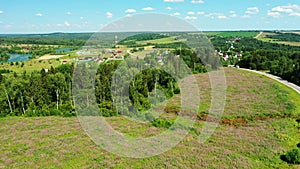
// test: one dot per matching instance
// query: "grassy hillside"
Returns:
(257, 127)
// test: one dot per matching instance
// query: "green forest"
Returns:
(42, 93)
(281, 60)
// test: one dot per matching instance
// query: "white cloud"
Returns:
(130, 11)
(68, 13)
(216, 15)
(282, 9)
(292, 10)
(197, 1)
(39, 14)
(252, 10)
(148, 9)
(81, 17)
(246, 16)
(233, 15)
(222, 17)
(1, 12)
(295, 14)
(191, 13)
(210, 15)
(190, 18)
(169, 8)
(128, 15)
(176, 14)
(200, 13)
(109, 15)
(67, 23)
(173, 0)
(274, 14)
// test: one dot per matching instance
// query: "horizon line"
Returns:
(74, 32)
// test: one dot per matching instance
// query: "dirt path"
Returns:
(259, 35)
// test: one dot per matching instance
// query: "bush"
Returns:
(163, 123)
(177, 90)
(292, 157)
(108, 113)
(54, 112)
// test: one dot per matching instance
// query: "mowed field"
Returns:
(171, 39)
(232, 34)
(263, 37)
(257, 127)
(44, 62)
(30, 65)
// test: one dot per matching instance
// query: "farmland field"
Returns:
(30, 66)
(232, 34)
(264, 38)
(171, 39)
(257, 127)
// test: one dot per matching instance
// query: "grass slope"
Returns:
(254, 132)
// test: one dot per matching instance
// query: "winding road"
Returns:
(279, 79)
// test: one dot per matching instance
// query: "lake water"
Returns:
(63, 50)
(18, 57)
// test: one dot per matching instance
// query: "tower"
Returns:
(116, 41)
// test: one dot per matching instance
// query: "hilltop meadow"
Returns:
(39, 128)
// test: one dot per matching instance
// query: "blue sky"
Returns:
(46, 16)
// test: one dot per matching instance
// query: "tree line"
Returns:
(37, 94)
(281, 60)
(48, 92)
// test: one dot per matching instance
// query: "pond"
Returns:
(18, 57)
(63, 50)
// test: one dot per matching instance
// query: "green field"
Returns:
(232, 34)
(257, 127)
(263, 37)
(171, 39)
(30, 66)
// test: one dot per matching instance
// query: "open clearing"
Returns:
(255, 130)
(263, 37)
(232, 34)
(47, 57)
(30, 65)
(171, 39)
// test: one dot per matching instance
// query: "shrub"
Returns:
(292, 157)
(108, 113)
(163, 123)
(54, 112)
